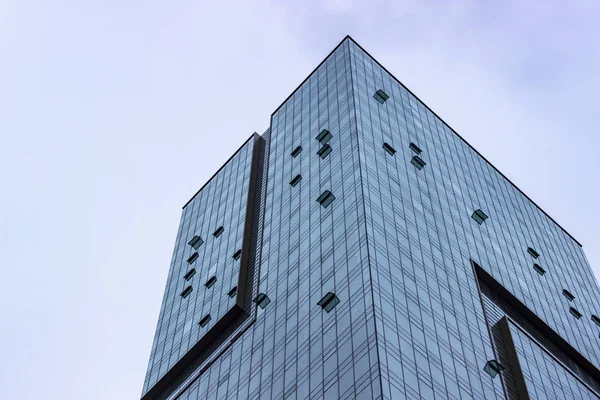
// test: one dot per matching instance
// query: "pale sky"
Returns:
(114, 113)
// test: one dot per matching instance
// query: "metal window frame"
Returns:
(388, 147)
(196, 242)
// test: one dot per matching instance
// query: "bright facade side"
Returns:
(360, 248)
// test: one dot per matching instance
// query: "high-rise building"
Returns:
(361, 249)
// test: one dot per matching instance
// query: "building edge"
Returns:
(348, 37)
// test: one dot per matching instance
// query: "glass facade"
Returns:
(396, 267)
(216, 214)
(545, 377)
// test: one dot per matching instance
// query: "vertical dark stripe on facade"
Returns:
(250, 245)
(507, 356)
(499, 303)
(240, 312)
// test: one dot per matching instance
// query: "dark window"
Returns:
(218, 232)
(237, 255)
(204, 321)
(329, 301)
(296, 151)
(262, 300)
(596, 320)
(381, 96)
(192, 258)
(324, 137)
(568, 295)
(186, 292)
(479, 216)
(539, 269)
(324, 151)
(418, 162)
(190, 274)
(493, 368)
(389, 149)
(532, 252)
(296, 180)
(415, 148)
(232, 292)
(196, 242)
(326, 198)
(575, 313)
(209, 283)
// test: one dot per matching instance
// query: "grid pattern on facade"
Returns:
(295, 349)
(431, 329)
(221, 203)
(498, 305)
(545, 378)
(394, 247)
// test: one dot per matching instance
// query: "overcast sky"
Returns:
(114, 113)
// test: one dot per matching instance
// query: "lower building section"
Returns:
(536, 362)
(544, 375)
(257, 366)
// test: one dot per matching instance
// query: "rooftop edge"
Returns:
(348, 37)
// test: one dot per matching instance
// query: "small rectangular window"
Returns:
(574, 312)
(218, 232)
(389, 149)
(324, 151)
(493, 368)
(532, 252)
(190, 274)
(568, 295)
(415, 148)
(237, 255)
(324, 137)
(209, 283)
(539, 269)
(329, 301)
(232, 292)
(296, 180)
(326, 198)
(479, 216)
(296, 151)
(186, 292)
(262, 300)
(381, 96)
(418, 162)
(192, 258)
(204, 321)
(196, 242)
(596, 319)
